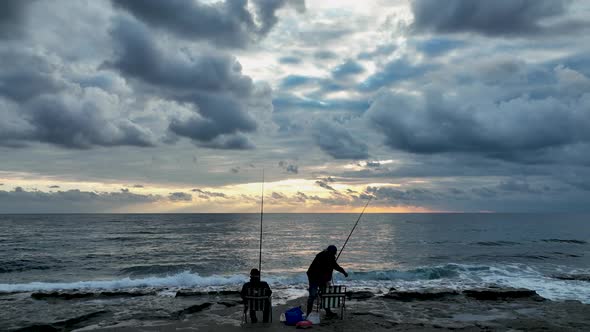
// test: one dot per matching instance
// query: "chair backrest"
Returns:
(332, 297)
(257, 298)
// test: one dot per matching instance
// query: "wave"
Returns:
(451, 276)
(180, 280)
(565, 241)
(496, 243)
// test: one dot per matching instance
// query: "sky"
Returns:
(179, 105)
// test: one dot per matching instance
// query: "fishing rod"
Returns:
(261, 216)
(357, 222)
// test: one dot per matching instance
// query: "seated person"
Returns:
(248, 290)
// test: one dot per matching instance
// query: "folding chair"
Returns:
(332, 297)
(257, 299)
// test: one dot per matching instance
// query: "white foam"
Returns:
(294, 285)
(180, 280)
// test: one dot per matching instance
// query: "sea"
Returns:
(144, 260)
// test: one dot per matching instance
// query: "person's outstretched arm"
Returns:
(339, 268)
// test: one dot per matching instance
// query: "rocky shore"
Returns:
(484, 309)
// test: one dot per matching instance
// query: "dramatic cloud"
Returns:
(227, 23)
(24, 76)
(432, 122)
(435, 105)
(44, 111)
(212, 83)
(337, 141)
(493, 18)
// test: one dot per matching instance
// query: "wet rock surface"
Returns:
(191, 310)
(359, 295)
(420, 295)
(65, 325)
(494, 294)
(580, 277)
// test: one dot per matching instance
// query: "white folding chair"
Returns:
(332, 297)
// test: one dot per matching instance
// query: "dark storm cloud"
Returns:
(212, 83)
(54, 186)
(70, 201)
(70, 123)
(12, 16)
(337, 141)
(24, 76)
(348, 68)
(492, 18)
(227, 23)
(45, 107)
(45, 112)
(138, 186)
(433, 123)
(394, 71)
(180, 197)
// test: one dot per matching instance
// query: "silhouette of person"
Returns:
(319, 275)
(252, 288)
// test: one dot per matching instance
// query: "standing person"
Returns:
(247, 289)
(319, 275)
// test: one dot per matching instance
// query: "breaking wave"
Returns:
(450, 276)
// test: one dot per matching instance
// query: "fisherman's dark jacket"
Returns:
(320, 270)
(255, 284)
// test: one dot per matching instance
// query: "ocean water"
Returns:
(160, 254)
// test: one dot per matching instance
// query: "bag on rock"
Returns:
(314, 318)
(293, 316)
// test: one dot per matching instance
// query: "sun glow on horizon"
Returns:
(299, 195)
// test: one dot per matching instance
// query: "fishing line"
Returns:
(357, 221)
(261, 216)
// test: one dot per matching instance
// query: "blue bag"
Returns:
(293, 316)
